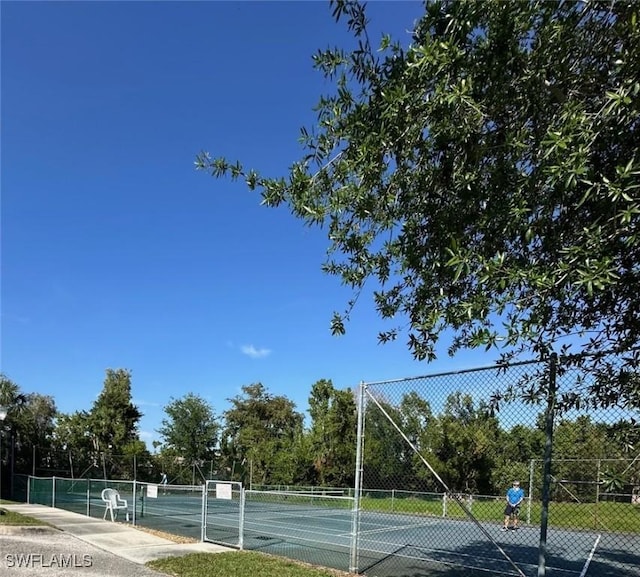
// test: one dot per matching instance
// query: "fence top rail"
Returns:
(497, 366)
(178, 487)
(309, 488)
(562, 359)
(603, 460)
(299, 494)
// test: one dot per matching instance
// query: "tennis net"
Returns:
(170, 499)
(298, 501)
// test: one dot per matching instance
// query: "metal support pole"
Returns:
(531, 466)
(597, 494)
(546, 478)
(135, 494)
(355, 516)
(241, 521)
(203, 514)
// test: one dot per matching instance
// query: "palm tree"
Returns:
(10, 395)
(612, 482)
(11, 399)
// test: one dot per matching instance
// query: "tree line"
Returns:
(482, 176)
(263, 439)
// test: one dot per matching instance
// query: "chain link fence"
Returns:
(85, 464)
(175, 509)
(437, 458)
(437, 455)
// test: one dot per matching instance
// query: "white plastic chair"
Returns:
(113, 502)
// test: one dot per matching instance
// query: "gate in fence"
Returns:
(223, 513)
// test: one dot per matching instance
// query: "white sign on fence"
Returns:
(152, 491)
(223, 491)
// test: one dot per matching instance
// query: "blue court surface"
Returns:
(397, 545)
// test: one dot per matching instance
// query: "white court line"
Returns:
(294, 530)
(274, 517)
(166, 512)
(590, 557)
(385, 529)
(273, 521)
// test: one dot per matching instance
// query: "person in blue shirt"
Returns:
(515, 496)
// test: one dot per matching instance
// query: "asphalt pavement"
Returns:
(78, 546)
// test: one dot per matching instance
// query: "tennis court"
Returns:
(395, 545)
(319, 529)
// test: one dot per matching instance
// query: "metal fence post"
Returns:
(241, 520)
(355, 515)
(135, 486)
(53, 492)
(597, 494)
(203, 514)
(531, 466)
(546, 477)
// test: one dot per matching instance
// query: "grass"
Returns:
(237, 564)
(602, 516)
(13, 518)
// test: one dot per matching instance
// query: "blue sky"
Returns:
(117, 253)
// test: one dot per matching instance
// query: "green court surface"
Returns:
(320, 531)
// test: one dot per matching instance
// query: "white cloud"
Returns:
(143, 403)
(148, 438)
(254, 353)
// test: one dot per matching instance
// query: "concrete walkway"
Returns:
(121, 539)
